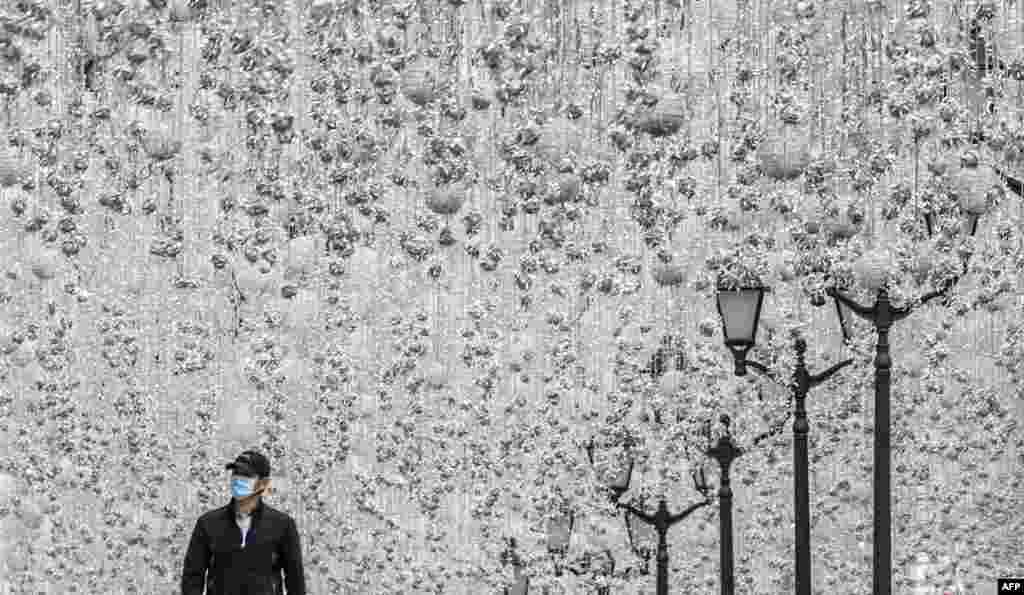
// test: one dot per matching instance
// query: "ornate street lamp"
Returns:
(669, 356)
(522, 584)
(510, 556)
(742, 316)
(660, 521)
(559, 533)
(883, 315)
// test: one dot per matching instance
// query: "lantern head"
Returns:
(740, 310)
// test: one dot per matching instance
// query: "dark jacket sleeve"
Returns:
(291, 556)
(1015, 185)
(193, 575)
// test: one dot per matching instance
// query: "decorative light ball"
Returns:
(666, 117)
(915, 365)
(301, 314)
(389, 37)
(781, 265)
(564, 189)
(251, 281)
(419, 84)
(238, 423)
(1013, 152)
(179, 10)
(302, 254)
(784, 153)
(872, 269)
(320, 10)
(939, 165)
(671, 382)
(922, 266)
(668, 274)
(435, 376)
(559, 531)
(8, 487)
(44, 269)
(842, 229)
(22, 355)
(948, 111)
(31, 514)
(974, 204)
(446, 201)
(43, 262)
(12, 168)
(970, 185)
(294, 370)
(557, 138)
(805, 9)
(160, 146)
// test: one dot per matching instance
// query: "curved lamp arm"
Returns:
(764, 371)
(585, 565)
(689, 510)
(946, 287)
(858, 309)
(775, 430)
(931, 295)
(817, 379)
(643, 516)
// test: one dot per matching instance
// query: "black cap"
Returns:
(250, 463)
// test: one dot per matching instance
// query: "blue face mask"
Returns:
(241, 487)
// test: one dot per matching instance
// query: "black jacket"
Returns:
(217, 560)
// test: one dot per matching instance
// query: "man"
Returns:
(242, 548)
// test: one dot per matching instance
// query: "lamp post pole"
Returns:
(882, 532)
(803, 382)
(725, 452)
(661, 525)
(801, 475)
(740, 312)
(883, 315)
(662, 522)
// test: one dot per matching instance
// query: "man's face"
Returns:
(258, 485)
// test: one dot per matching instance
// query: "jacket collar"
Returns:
(232, 509)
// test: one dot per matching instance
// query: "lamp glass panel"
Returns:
(851, 324)
(739, 313)
(970, 223)
(620, 471)
(643, 536)
(522, 584)
(559, 532)
(845, 316)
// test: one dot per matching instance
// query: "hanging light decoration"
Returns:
(664, 118)
(12, 168)
(784, 153)
(973, 185)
